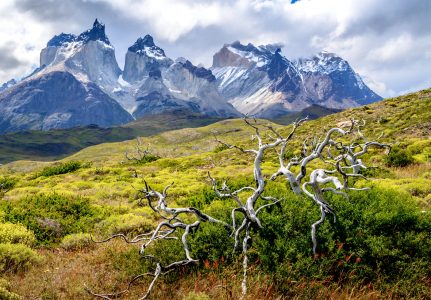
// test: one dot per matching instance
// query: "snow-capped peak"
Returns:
(97, 33)
(323, 62)
(61, 39)
(259, 55)
(146, 46)
(239, 55)
(8, 84)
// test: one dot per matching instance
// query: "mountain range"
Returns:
(79, 83)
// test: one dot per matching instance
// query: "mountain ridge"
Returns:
(244, 80)
(246, 74)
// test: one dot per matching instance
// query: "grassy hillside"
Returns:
(378, 248)
(60, 143)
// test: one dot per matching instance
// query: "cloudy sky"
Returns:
(388, 42)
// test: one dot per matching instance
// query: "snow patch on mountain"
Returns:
(251, 56)
(260, 81)
(324, 62)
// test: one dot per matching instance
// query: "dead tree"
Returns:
(250, 209)
(166, 229)
(139, 153)
(343, 159)
(324, 180)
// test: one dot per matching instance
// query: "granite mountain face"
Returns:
(153, 83)
(79, 83)
(260, 81)
(67, 90)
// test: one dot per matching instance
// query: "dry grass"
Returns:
(66, 274)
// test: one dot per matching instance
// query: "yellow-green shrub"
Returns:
(5, 293)
(17, 257)
(16, 233)
(127, 223)
(51, 216)
(76, 241)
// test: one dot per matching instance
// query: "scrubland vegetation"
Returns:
(379, 247)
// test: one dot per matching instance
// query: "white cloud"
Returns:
(170, 19)
(387, 41)
(393, 49)
(23, 37)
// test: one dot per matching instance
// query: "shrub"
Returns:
(143, 159)
(201, 198)
(16, 233)
(17, 257)
(52, 216)
(5, 293)
(220, 148)
(147, 158)
(399, 158)
(4, 284)
(76, 241)
(380, 237)
(126, 223)
(211, 242)
(7, 183)
(62, 168)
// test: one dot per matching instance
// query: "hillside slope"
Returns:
(60, 143)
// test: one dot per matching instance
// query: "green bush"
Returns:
(17, 257)
(211, 242)
(7, 183)
(147, 158)
(144, 159)
(62, 168)
(4, 284)
(399, 157)
(16, 233)
(380, 237)
(126, 223)
(77, 241)
(202, 198)
(52, 216)
(220, 148)
(5, 293)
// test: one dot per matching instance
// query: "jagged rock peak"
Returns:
(323, 62)
(146, 46)
(61, 39)
(198, 71)
(248, 48)
(277, 65)
(141, 43)
(8, 84)
(97, 33)
(237, 54)
(262, 50)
